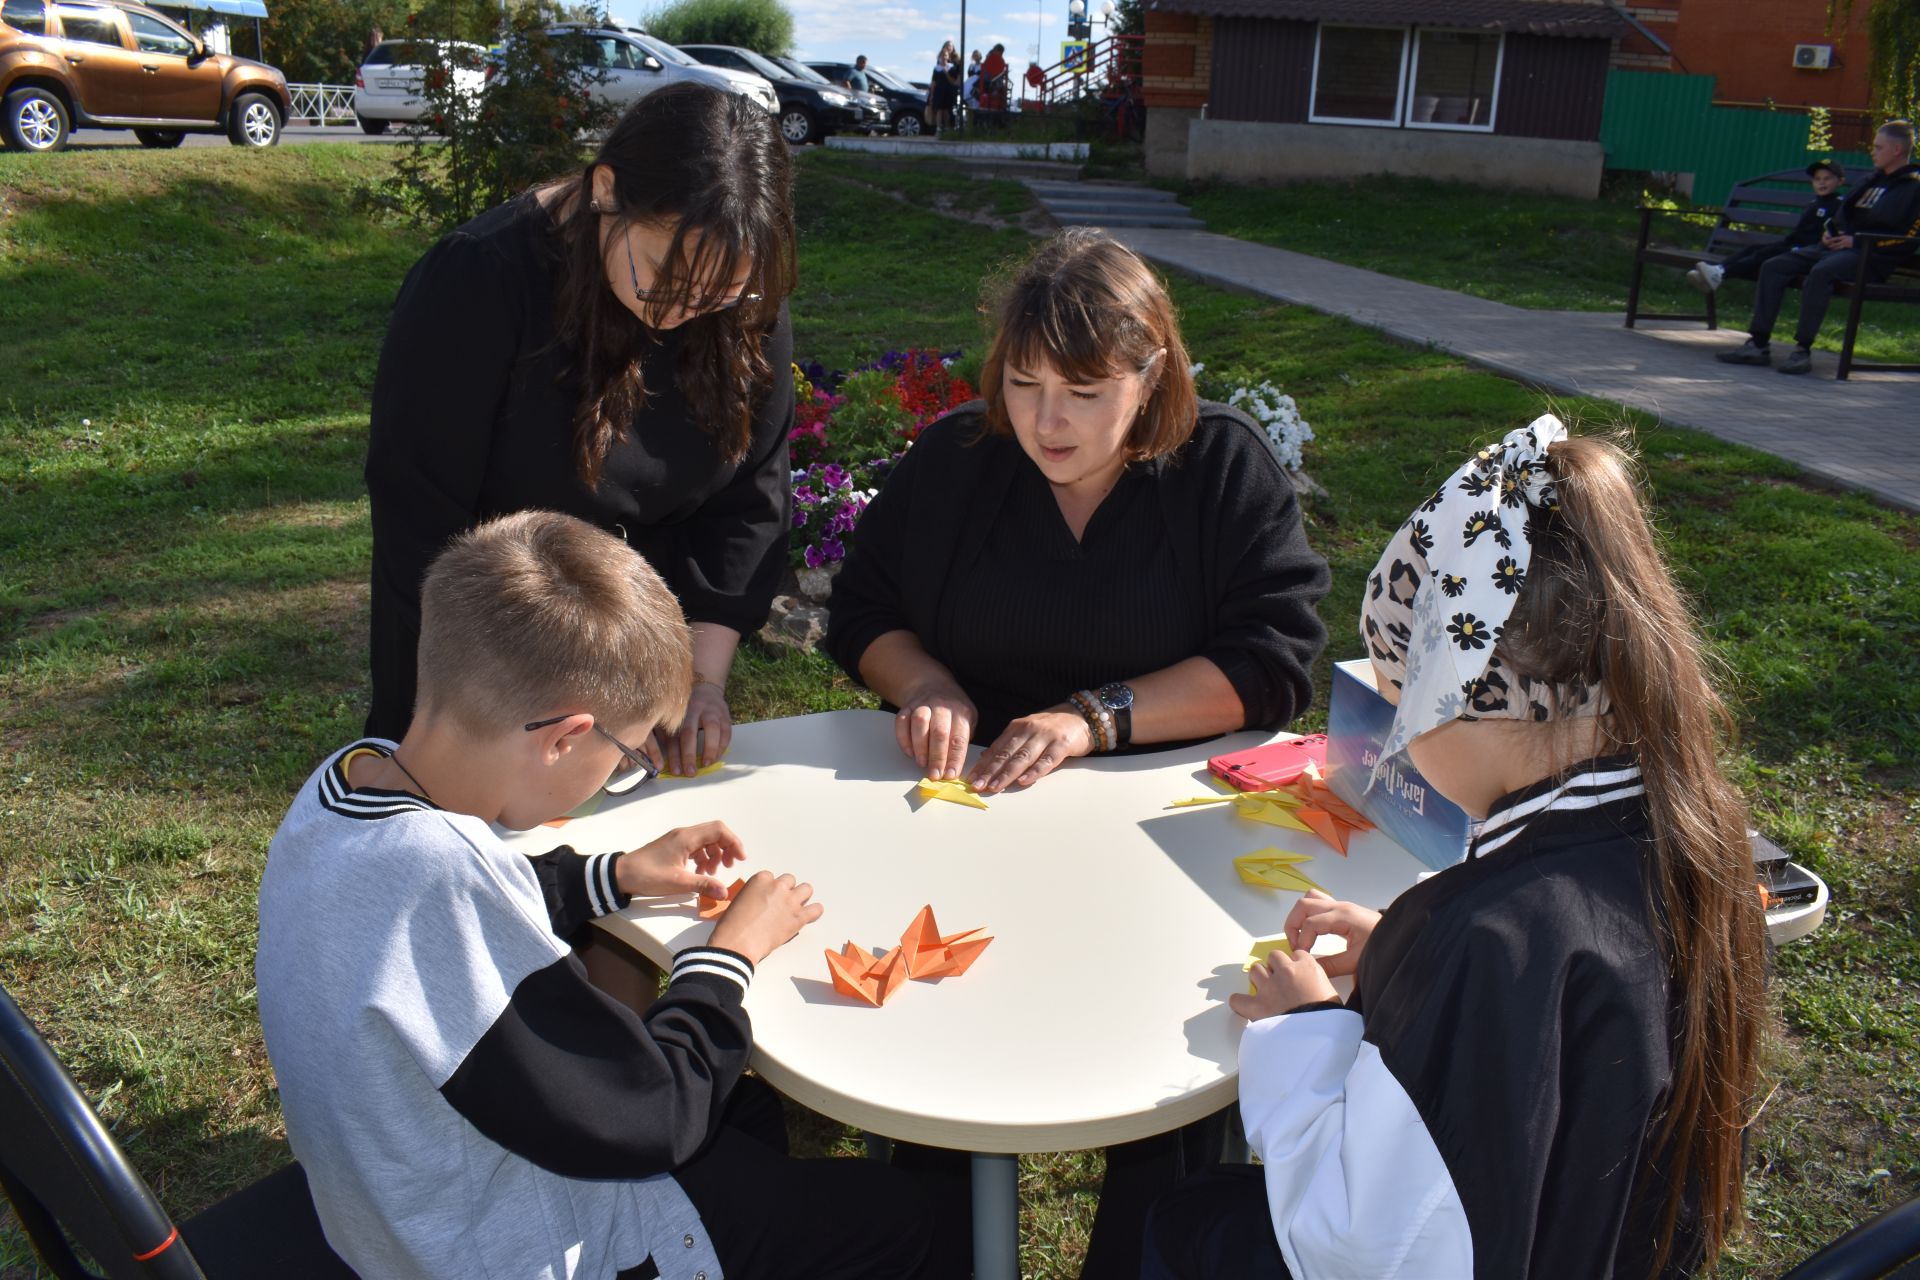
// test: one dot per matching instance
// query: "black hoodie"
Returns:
(1889, 204)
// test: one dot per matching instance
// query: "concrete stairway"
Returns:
(1111, 204)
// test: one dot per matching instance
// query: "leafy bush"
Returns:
(765, 26)
(523, 128)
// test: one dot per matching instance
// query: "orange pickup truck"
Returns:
(106, 64)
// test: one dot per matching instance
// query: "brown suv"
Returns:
(104, 64)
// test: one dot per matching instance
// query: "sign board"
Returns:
(1073, 56)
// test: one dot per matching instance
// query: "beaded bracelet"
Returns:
(1098, 719)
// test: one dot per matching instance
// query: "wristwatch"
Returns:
(1118, 698)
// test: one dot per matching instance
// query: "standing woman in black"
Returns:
(616, 346)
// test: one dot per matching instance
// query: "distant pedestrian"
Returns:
(943, 88)
(857, 78)
(375, 38)
(1887, 206)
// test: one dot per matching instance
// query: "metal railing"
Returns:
(1110, 58)
(321, 104)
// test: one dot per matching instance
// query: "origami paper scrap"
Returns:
(1327, 827)
(857, 972)
(1264, 809)
(953, 790)
(929, 955)
(1258, 953)
(701, 772)
(1274, 869)
(711, 908)
(1182, 804)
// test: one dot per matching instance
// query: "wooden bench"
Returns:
(1759, 211)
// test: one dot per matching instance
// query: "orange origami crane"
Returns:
(931, 956)
(857, 973)
(711, 908)
(923, 953)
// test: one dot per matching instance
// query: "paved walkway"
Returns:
(1863, 433)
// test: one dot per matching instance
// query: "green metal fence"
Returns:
(1653, 120)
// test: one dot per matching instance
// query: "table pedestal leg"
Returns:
(878, 1147)
(1237, 1151)
(996, 1217)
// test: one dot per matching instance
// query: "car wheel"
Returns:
(253, 122)
(372, 127)
(160, 138)
(36, 120)
(797, 127)
(907, 124)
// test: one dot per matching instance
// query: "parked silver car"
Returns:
(390, 86)
(634, 64)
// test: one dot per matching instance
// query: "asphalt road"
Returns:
(293, 135)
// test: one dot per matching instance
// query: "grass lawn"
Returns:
(1539, 251)
(191, 336)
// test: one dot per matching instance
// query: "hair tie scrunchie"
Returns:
(1471, 540)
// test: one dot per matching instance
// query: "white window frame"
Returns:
(1413, 79)
(1400, 100)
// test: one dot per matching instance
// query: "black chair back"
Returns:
(67, 1177)
(1885, 1246)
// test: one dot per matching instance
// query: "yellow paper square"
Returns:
(952, 790)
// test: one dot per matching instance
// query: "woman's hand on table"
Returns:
(709, 717)
(765, 914)
(1284, 982)
(1317, 915)
(685, 860)
(935, 727)
(1031, 748)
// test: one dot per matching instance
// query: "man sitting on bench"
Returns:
(1887, 203)
(1827, 178)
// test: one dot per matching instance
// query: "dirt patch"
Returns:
(1034, 222)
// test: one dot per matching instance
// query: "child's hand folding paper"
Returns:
(712, 908)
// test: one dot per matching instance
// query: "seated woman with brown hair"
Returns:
(1091, 559)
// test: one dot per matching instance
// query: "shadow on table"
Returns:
(1202, 1029)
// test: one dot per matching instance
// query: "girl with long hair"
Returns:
(613, 345)
(1548, 1057)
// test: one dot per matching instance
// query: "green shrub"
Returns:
(873, 422)
(765, 26)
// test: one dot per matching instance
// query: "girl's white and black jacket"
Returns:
(1485, 1103)
(466, 1104)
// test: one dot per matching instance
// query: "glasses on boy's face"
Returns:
(632, 771)
(699, 306)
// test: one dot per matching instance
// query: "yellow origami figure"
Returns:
(1262, 948)
(952, 790)
(1274, 869)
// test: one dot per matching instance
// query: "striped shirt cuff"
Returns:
(714, 962)
(603, 893)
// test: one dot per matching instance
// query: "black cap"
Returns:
(1828, 163)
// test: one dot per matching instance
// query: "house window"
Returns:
(1406, 77)
(1358, 73)
(1455, 76)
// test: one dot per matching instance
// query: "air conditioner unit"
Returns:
(1813, 57)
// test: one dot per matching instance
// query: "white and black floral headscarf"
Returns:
(1440, 648)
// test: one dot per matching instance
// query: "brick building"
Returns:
(1502, 92)
(1749, 47)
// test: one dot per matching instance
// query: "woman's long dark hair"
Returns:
(710, 166)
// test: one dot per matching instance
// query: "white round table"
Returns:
(1097, 1015)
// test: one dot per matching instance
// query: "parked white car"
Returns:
(390, 86)
(634, 64)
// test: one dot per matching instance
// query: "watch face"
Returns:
(1116, 697)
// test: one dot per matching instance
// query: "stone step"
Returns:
(1093, 204)
(1108, 191)
(1129, 220)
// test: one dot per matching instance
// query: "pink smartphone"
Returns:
(1274, 765)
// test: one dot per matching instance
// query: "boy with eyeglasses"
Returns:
(464, 1101)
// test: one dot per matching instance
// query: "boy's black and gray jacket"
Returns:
(1485, 1103)
(464, 1101)
(1815, 220)
(1888, 204)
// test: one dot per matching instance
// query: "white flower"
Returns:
(1196, 370)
